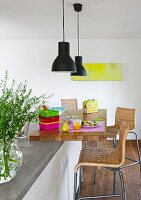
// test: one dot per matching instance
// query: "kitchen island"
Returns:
(48, 162)
(46, 172)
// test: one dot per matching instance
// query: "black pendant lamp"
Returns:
(80, 70)
(63, 62)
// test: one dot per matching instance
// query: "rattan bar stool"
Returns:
(128, 115)
(69, 104)
(111, 159)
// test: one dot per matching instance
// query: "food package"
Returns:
(90, 106)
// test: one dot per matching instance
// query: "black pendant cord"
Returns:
(63, 61)
(63, 22)
(80, 70)
(78, 30)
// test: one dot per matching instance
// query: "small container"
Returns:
(77, 124)
(49, 127)
(49, 123)
(49, 119)
(70, 119)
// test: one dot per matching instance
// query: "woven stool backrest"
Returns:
(124, 128)
(69, 104)
(127, 115)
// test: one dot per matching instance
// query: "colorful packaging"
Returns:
(48, 119)
(48, 113)
(90, 106)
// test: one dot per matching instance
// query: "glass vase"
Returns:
(10, 161)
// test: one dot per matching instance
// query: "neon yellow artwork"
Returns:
(101, 72)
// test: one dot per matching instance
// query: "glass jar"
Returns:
(10, 161)
(77, 124)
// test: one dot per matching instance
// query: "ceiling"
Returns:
(43, 19)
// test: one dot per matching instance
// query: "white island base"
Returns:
(56, 180)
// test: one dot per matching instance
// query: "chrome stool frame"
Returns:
(77, 192)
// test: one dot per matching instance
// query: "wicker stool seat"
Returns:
(111, 159)
(99, 157)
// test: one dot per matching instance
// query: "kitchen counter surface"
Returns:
(36, 156)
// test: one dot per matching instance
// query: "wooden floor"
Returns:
(104, 179)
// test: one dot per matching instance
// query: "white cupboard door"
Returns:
(30, 194)
(64, 172)
(56, 180)
(73, 156)
(46, 186)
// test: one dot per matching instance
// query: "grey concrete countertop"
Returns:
(36, 156)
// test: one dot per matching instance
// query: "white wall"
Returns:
(31, 60)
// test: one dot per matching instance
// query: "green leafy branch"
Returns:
(17, 106)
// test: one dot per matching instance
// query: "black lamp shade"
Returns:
(80, 70)
(64, 62)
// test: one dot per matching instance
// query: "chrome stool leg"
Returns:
(138, 151)
(82, 174)
(80, 179)
(114, 182)
(75, 186)
(115, 141)
(122, 184)
(94, 175)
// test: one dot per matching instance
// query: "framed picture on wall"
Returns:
(101, 72)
